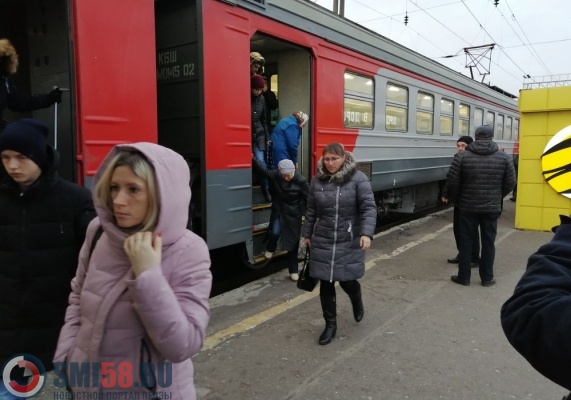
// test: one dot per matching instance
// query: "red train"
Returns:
(176, 72)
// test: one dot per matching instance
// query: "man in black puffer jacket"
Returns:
(478, 179)
(43, 220)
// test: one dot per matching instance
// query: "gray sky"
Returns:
(532, 37)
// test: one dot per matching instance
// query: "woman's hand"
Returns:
(307, 242)
(365, 242)
(144, 250)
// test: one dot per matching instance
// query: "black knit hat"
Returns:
(465, 139)
(28, 137)
(484, 132)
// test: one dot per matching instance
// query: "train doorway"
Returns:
(288, 68)
(40, 34)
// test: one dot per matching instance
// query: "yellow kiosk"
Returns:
(544, 173)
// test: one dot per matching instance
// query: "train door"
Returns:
(40, 33)
(288, 69)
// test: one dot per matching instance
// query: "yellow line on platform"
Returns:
(257, 319)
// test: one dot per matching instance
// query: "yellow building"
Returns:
(544, 113)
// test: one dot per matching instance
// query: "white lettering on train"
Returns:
(167, 57)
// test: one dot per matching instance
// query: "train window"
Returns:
(424, 113)
(508, 129)
(464, 120)
(490, 118)
(479, 117)
(396, 109)
(446, 117)
(500, 127)
(358, 101)
(515, 135)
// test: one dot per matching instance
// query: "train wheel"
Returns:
(259, 261)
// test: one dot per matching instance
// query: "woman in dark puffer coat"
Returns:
(339, 225)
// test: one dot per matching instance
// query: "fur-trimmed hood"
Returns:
(344, 172)
(10, 64)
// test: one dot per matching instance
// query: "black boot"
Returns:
(357, 303)
(330, 315)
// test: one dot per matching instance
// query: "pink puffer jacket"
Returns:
(162, 315)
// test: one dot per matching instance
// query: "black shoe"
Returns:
(455, 279)
(329, 308)
(512, 199)
(489, 283)
(357, 303)
(454, 260)
(329, 332)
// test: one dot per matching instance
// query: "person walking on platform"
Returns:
(289, 203)
(9, 96)
(286, 136)
(339, 226)
(536, 319)
(141, 294)
(43, 220)
(478, 180)
(461, 145)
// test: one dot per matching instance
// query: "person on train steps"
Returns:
(289, 202)
(339, 225)
(478, 180)
(256, 63)
(142, 295)
(536, 319)
(43, 220)
(286, 136)
(260, 136)
(9, 96)
(461, 145)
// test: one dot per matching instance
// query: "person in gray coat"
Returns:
(339, 225)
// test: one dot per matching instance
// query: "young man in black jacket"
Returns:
(43, 220)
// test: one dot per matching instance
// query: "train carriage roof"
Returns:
(324, 23)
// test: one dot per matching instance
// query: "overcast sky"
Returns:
(532, 37)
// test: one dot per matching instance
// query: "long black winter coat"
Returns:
(340, 209)
(41, 232)
(480, 177)
(289, 201)
(537, 317)
(9, 98)
(260, 133)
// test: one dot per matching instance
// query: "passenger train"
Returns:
(176, 72)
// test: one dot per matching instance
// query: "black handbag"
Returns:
(306, 282)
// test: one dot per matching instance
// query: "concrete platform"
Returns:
(423, 337)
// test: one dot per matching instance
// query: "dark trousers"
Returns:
(469, 223)
(456, 228)
(328, 288)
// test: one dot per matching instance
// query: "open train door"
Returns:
(114, 57)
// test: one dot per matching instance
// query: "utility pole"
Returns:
(339, 7)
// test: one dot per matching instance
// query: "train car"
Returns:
(176, 72)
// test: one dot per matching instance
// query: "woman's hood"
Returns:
(173, 191)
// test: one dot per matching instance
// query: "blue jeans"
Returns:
(6, 395)
(261, 156)
(274, 231)
(469, 223)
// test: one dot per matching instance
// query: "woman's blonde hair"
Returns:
(143, 169)
(8, 57)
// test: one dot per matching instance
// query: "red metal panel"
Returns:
(114, 44)
(227, 109)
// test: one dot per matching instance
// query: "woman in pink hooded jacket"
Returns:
(139, 302)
